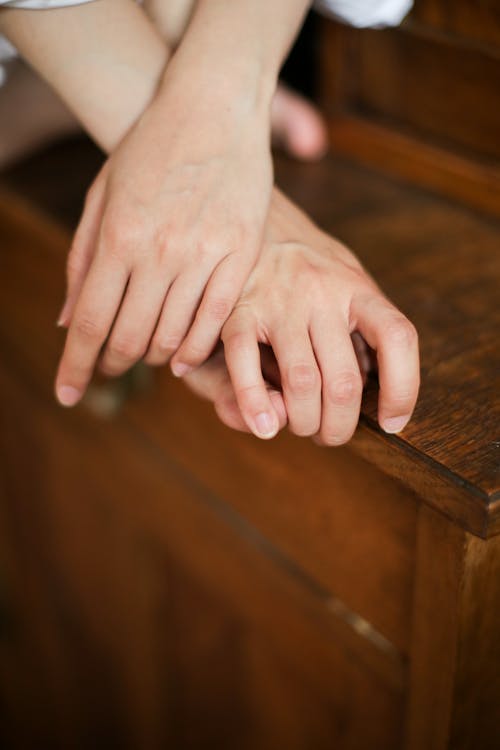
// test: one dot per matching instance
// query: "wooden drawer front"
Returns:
(440, 92)
(330, 513)
(346, 525)
(142, 617)
(470, 19)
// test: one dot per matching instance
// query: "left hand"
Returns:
(309, 298)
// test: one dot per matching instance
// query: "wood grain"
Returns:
(418, 102)
(473, 22)
(139, 600)
(440, 264)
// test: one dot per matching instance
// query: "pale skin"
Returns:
(300, 270)
(180, 216)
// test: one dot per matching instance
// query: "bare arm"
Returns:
(104, 59)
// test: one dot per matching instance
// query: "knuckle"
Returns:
(120, 233)
(165, 347)
(401, 402)
(194, 353)
(345, 388)
(89, 329)
(400, 332)
(250, 397)
(302, 380)
(218, 308)
(125, 348)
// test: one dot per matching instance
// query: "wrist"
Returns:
(217, 96)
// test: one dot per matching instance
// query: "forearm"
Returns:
(234, 50)
(104, 59)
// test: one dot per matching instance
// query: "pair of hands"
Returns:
(183, 242)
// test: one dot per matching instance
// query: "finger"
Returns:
(176, 316)
(82, 249)
(94, 314)
(219, 298)
(300, 377)
(135, 323)
(362, 355)
(342, 384)
(395, 340)
(242, 354)
(229, 413)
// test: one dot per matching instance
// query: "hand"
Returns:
(307, 298)
(171, 229)
(211, 381)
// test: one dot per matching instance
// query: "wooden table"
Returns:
(166, 582)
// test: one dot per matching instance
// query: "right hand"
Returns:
(171, 229)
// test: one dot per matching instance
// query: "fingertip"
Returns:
(395, 425)
(265, 425)
(68, 395)
(180, 369)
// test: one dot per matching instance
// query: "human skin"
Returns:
(180, 206)
(298, 264)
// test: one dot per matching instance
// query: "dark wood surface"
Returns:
(420, 101)
(466, 19)
(144, 606)
(440, 263)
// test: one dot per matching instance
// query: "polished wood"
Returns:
(474, 183)
(165, 582)
(440, 264)
(420, 101)
(170, 583)
(467, 19)
(152, 613)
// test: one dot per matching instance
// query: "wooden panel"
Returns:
(472, 20)
(446, 93)
(416, 105)
(356, 540)
(476, 716)
(146, 618)
(454, 695)
(346, 525)
(476, 184)
(439, 567)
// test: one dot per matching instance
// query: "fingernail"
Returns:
(264, 425)
(395, 424)
(179, 369)
(67, 395)
(62, 319)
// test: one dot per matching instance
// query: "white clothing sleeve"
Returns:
(41, 4)
(366, 13)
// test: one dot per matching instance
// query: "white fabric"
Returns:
(360, 13)
(355, 12)
(366, 13)
(42, 4)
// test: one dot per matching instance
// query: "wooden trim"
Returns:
(454, 690)
(473, 183)
(439, 565)
(437, 487)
